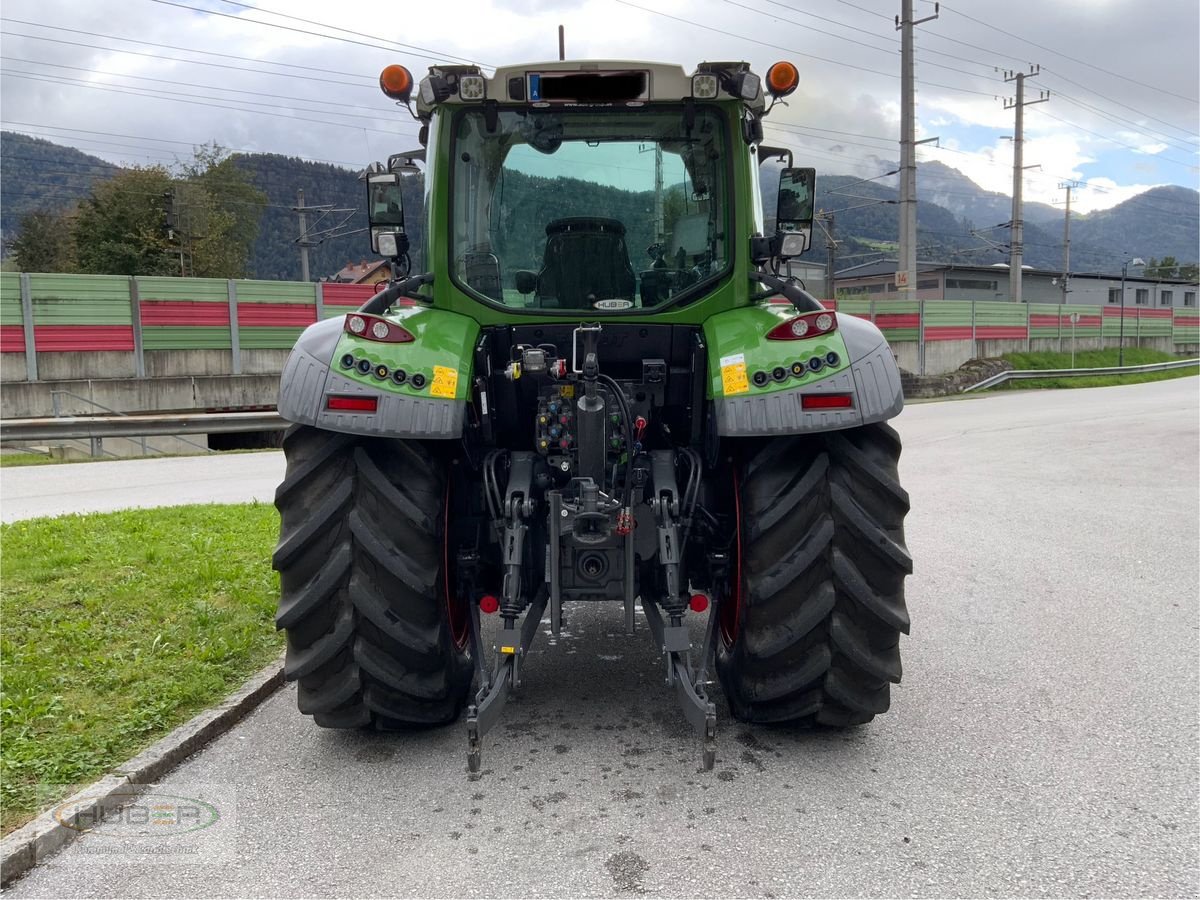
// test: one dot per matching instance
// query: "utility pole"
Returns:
(1069, 185)
(1017, 246)
(303, 240)
(906, 264)
(562, 43)
(659, 224)
(826, 220)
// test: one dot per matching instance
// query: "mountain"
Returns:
(949, 188)
(41, 175)
(1163, 221)
(38, 174)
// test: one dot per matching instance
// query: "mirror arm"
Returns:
(800, 298)
(381, 302)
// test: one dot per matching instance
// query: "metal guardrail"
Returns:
(80, 427)
(1022, 374)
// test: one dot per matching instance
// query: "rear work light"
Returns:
(826, 401)
(352, 404)
(374, 328)
(809, 325)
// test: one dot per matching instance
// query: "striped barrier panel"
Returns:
(1139, 321)
(1186, 326)
(271, 314)
(12, 329)
(340, 299)
(948, 320)
(1001, 322)
(81, 312)
(184, 313)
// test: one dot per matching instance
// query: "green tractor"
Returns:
(595, 386)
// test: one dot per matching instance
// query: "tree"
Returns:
(44, 243)
(222, 209)
(121, 228)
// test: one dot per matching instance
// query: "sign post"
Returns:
(1074, 322)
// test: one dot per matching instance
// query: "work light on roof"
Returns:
(472, 87)
(705, 86)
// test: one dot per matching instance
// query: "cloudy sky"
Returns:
(140, 81)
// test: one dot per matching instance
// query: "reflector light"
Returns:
(782, 79)
(373, 328)
(826, 401)
(808, 325)
(352, 404)
(488, 604)
(698, 603)
(396, 82)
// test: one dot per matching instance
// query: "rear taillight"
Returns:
(826, 401)
(809, 325)
(373, 328)
(352, 404)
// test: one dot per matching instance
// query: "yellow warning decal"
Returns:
(567, 390)
(508, 650)
(733, 374)
(445, 382)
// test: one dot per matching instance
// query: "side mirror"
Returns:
(526, 281)
(794, 212)
(385, 214)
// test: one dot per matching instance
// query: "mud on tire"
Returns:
(362, 569)
(823, 563)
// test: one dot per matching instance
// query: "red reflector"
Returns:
(488, 604)
(698, 603)
(353, 404)
(826, 401)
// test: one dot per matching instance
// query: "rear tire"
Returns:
(813, 635)
(361, 560)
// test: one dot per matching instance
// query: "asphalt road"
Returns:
(52, 490)
(1044, 741)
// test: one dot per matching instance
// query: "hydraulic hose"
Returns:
(627, 488)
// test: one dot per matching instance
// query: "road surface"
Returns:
(1044, 741)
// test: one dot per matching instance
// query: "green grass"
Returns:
(1092, 359)
(119, 626)
(28, 459)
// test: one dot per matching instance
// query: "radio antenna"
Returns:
(562, 43)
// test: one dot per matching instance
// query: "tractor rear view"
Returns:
(592, 387)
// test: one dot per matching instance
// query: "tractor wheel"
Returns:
(811, 629)
(374, 635)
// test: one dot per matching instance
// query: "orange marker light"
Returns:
(782, 79)
(396, 82)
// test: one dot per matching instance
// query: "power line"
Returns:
(113, 37)
(140, 137)
(439, 57)
(276, 97)
(1073, 59)
(177, 98)
(328, 37)
(793, 50)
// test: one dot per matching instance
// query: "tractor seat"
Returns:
(585, 260)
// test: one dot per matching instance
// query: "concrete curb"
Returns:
(40, 839)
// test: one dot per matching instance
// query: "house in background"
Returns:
(944, 281)
(365, 271)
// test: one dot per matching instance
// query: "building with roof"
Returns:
(949, 281)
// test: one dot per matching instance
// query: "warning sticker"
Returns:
(733, 374)
(445, 382)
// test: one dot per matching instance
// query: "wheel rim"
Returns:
(456, 607)
(731, 603)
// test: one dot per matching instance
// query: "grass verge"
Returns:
(28, 459)
(1092, 359)
(117, 627)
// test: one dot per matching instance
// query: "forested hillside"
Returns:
(1162, 222)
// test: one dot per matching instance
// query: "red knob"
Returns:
(488, 604)
(698, 603)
